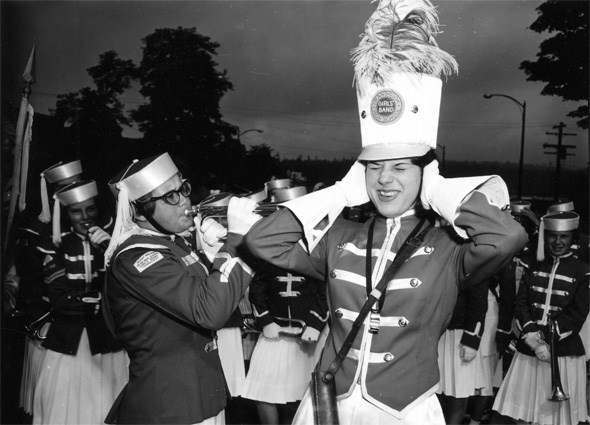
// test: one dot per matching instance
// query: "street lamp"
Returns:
(522, 107)
(249, 130)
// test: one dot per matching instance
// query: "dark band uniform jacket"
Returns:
(279, 293)
(400, 361)
(73, 271)
(558, 285)
(165, 305)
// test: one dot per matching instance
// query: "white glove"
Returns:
(533, 340)
(310, 335)
(97, 236)
(240, 215)
(467, 353)
(542, 352)
(271, 331)
(430, 178)
(210, 235)
(353, 185)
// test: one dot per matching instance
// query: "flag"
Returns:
(21, 149)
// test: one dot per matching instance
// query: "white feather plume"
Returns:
(400, 37)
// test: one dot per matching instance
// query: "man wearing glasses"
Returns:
(165, 305)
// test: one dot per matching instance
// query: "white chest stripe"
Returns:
(393, 321)
(148, 259)
(362, 252)
(373, 357)
(351, 277)
(409, 283)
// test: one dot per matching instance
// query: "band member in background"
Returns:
(34, 235)
(390, 374)
(164, 303)
(554, 288)
(84, 367)
(292, 312)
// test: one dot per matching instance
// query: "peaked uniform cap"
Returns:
(563, 221)
(59, 172)
(398, 66)
(290, 193)
(517, 207)
(146, 175)
(77, 192)
(561, 206)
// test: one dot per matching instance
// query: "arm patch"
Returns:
(147, 259)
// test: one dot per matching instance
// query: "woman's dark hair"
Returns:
(424, 160)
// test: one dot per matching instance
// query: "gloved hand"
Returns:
(542, 352)
(97, 236)
(467, 353)
(240, 215)
(533, 340)
(310, 335)
(430, 178)
(210, 235)
(353, 185)
(271, 331)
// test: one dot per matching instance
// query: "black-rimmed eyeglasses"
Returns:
(173, 197)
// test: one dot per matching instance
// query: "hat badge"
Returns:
(387, 106)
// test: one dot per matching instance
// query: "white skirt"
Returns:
(229, 344)
(527, 386)
(78, 389)
(355, 410)
(33, 359)
(462, 379)
(280, 369)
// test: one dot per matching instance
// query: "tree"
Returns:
(180, 79)
(562, 60)
(95, 117)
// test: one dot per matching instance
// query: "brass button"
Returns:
(340, 246)
(428, 249)
(388, 357)
(414, 282)
(333, 274)
(302, 279)
(403, 322)
(338, 313)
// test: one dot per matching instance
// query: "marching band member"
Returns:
(33, 236)
(84, 367)
(164, 303)
(281, 364)
(554, 287)
(390, 375)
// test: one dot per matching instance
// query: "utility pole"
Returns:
(560, 153)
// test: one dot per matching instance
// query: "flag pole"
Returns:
(29, 78)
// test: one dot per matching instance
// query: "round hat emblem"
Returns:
(387, 106)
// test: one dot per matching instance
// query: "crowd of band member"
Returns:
(77, 367)
(488, 311)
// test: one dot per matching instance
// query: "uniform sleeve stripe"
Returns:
(53, 276)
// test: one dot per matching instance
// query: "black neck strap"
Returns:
(412, 242)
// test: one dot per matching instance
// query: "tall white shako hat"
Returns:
(133, 182)
(71, 194)
(54, 175)
(561, 206)
(562, 221)
(398, 68)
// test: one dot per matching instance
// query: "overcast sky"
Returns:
(289, 62)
